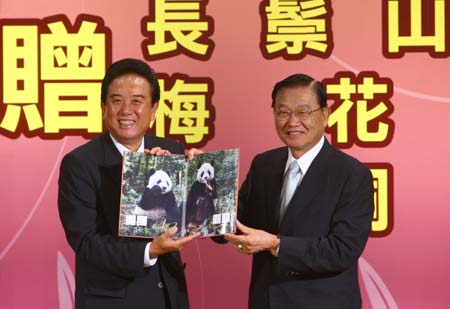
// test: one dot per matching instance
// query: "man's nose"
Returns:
(293, 119)
(125, 107)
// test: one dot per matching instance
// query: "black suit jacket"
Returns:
(322, 234)
(110, 270)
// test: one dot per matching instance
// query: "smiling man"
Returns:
(305, 210)
(110, 271)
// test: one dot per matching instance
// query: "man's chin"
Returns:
(125, 133)
(294, 141)
(125, 136)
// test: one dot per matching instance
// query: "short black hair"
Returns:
(130, 65)
(301, 80)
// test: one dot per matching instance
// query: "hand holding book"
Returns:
(165, 243)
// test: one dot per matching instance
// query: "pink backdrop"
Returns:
(408, 268)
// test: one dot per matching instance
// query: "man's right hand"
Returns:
(164, 243)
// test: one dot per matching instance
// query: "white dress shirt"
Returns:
(305, 161)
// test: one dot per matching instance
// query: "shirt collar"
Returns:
(122, 148)
(305, 161)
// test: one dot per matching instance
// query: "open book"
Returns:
(159, 192)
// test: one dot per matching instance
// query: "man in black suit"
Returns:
(110, 271)
(305, 250)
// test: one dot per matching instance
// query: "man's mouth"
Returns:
(294, 133)
(126, 123)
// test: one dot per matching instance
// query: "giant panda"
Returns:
(158, 201)
(202, 196)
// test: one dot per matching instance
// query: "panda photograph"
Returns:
(202, 198)
(152, 194)
(212, 189)
(158, 202)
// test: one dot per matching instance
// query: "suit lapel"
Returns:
(274, 184)
(112, 156)
(110, 170)
(148, 141)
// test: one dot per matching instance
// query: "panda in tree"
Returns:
(158, 201)
(202, 197)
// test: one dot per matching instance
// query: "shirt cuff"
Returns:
(147, 260)
(275, 252)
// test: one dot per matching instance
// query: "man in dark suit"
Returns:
(305, 247)
(110, 271)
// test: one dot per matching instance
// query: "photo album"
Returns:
(159, 192)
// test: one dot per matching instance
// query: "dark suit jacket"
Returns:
(110, 270)
(322, 234)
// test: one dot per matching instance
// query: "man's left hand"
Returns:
(191, 153)
(252, 240)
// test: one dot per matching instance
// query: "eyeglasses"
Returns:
(300, 115)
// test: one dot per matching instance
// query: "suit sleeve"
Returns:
(86, 226)
(350, 225)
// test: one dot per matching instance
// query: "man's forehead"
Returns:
(301, 95)
(130, 77)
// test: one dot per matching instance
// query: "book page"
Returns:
(212, 184)
(153, 194)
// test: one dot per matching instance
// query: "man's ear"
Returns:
(103, 110)
(326, 113)
(154, 109)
